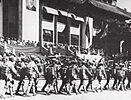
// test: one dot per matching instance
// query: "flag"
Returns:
(87, 32)
(104, 32)
(121, 46)
(91, 30)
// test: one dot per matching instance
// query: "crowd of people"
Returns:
(72, 48)
(15, 42)
(68, 69)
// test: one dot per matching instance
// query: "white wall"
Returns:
(50, 26)
(47, 25)
(75, 31)
(1, 19)
(30, 23)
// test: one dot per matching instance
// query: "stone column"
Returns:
(40, 24)
(20, 19)
(84, 38)
(68, 31)
(55, 33)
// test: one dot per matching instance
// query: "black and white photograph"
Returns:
(65, 49)
(31, 5)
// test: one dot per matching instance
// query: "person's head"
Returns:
(5, 59)
(12, 58)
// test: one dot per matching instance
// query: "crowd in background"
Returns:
(15, 42)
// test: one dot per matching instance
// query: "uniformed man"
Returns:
(6, 73)
(121, 73)
(21, 68)
(72, 76)
(2, 78)
(128, 75)
(63, 76)
(109, 70)
(31, 72)
(100, 72)
(83, 73)
(39, 66)
(50, 77)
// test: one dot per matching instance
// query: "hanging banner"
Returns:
(90, 30)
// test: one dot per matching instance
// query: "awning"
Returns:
(50, 10)
(64, 13)
(70, 15)
(79, 19)
(109, 8)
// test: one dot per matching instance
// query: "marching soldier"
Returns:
(31, 72)
(83, 73)
(63, 76)
(100, 72)
(21, 68)
(109, 72)
(6, 72)
(36, 78)
(92, 69)
(2, 78)
(50, 77)
(128, 75)
(72, 75)
(121, 72)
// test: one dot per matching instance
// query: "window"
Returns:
(62, 19)
(48, 35)
(61, 37)
(47, 17)
(74, 39)
(75, 23)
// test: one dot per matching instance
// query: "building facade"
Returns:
(57, 21)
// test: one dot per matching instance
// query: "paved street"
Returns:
(105, 95)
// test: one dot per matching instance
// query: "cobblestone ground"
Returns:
(104, 95)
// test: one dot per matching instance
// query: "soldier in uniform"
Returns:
(92, 68)
(128, 75)
(39, 65)
(50, 77)
(2, 78)
(100, 72)
(109, 72)
(83, 73)
(72, 75)
(21, 68)
(31, 72)
(6, 73)
(63, 76)
(121, 73)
